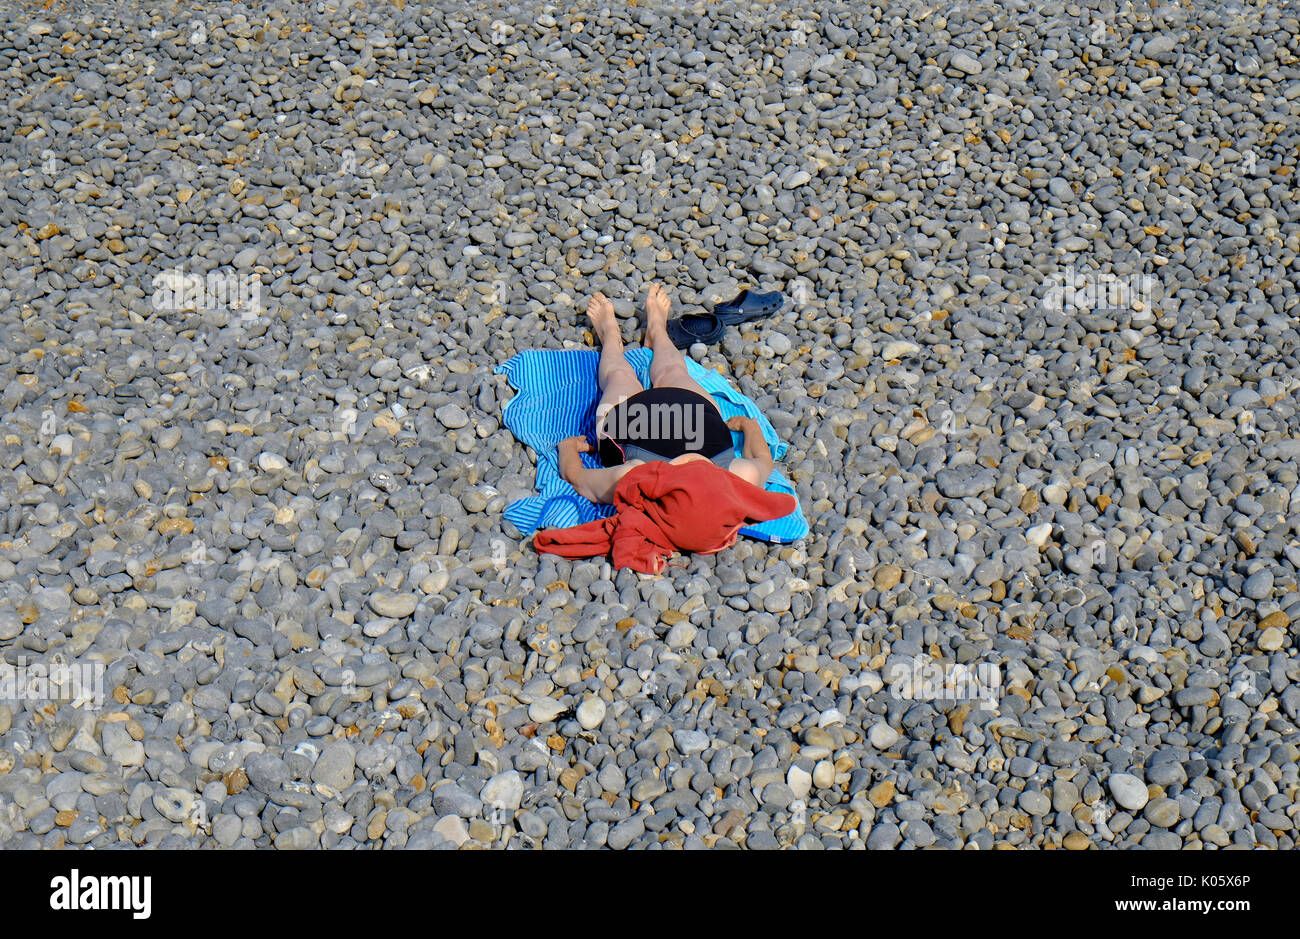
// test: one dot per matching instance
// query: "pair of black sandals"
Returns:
(709, 328)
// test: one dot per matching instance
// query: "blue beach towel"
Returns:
(557, 398)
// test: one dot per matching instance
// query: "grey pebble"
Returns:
(1023, 395)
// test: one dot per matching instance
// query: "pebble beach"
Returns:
(1037, 374)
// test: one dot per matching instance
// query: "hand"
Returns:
(576, 444)
(742, 423)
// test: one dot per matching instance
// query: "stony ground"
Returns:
(1038, 378)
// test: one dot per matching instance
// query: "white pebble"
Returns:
(800, 782)
(899, 348)
(591, 713)
(544, 709)
(1129, 791)
(269, 462)
(882, 736)
(830, 716)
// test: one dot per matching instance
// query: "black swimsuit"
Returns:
(663, 424)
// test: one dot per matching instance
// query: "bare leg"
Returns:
(668, 365)
(616, 378)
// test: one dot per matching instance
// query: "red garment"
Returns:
(661, 507)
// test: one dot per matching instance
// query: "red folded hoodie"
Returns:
(661, 508)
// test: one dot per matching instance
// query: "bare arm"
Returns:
(595, 485)
(755, 465)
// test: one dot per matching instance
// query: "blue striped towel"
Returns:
(557, 398)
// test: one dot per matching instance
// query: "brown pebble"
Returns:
(957, 718)
(173, 525)
(887, 577)
(881, 794)
(236, 781)
(1275, 620)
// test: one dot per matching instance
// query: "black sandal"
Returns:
(747, 305)
(687, 330)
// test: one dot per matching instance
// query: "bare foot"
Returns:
(601, 312)
(657, 306)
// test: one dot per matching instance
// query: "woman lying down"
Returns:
(674, 420)
(669, 467)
